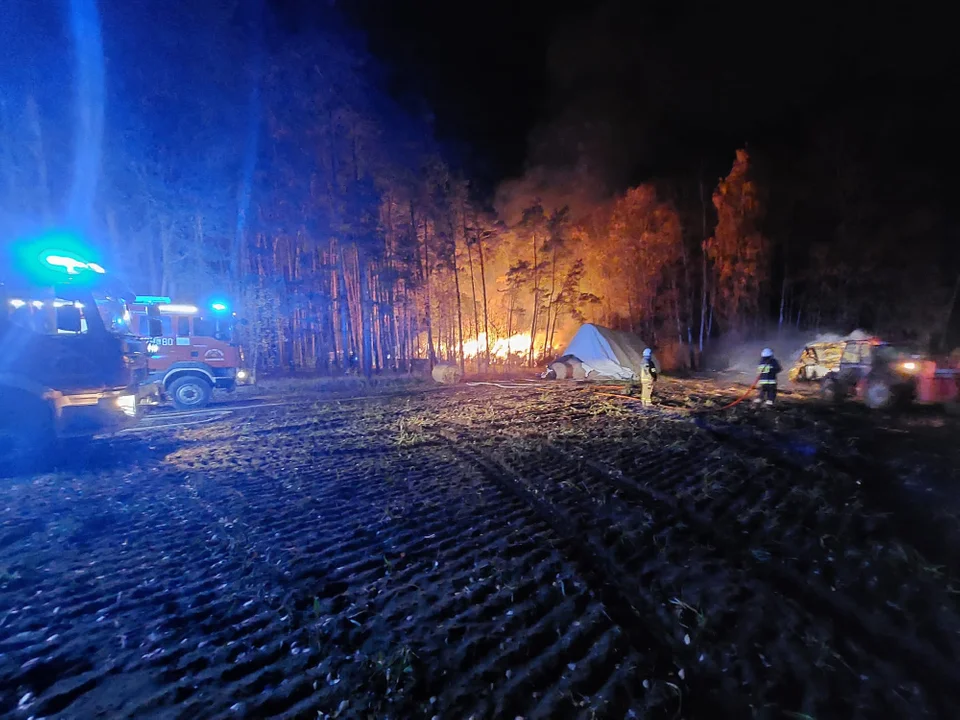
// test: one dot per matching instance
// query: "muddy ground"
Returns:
(490, 551)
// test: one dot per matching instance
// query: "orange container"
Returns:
(936, 385)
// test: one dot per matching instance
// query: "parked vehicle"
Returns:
(883, 376)
(70, 364)
(195, 351)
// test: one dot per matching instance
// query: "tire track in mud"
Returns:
(861, 480)
(853, 624)
(629, 608)
(283, 593)
(912, 521)
(568, 485)
(486, 603)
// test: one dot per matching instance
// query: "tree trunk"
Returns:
(536, 303)
(366, 316)
(473, 290)
(557, 310)
(710, 321)
(703, 256)
(676, 310)
(344, 307)
(483, 283)
(553, 289)
(456, 285)
(426, 282)
(510, 324)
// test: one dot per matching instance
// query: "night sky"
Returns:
(481, 67)
(645, 91)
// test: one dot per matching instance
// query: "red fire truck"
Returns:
(195, 352)
(69, 363)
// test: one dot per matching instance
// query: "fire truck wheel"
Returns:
(189, 393)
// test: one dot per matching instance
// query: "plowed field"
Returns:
(523, 550)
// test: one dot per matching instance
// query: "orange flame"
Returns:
(502, 348)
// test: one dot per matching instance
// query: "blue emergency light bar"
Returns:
(55, 256)
(219, 307)
(70, 264)
(152, 300)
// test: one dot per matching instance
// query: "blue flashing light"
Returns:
(152, 300)
(56, 257)
(71, 265)
(219, 307)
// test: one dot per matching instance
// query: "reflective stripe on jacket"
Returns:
(768, 370)
(648, 371)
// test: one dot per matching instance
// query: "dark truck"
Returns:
(69, 364)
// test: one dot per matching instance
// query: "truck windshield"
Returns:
(115, 315)
(219, 328)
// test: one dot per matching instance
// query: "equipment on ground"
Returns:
(69, 363)
(599, 353)
(818, 359)
(194, 350)
(882, 376)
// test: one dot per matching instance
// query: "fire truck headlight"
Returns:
(128, 403)
(242, 374)
(909, 366)
(153, 348)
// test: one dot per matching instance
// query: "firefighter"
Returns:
(767, 372)
(648, 376)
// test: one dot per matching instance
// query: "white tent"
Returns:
(604, 354)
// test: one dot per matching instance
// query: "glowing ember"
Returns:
(503, 348)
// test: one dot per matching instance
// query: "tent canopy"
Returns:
(607, 354)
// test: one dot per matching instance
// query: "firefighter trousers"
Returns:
(646, 394)
(768, 392)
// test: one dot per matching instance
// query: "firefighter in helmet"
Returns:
(648, 376)
(767, 373)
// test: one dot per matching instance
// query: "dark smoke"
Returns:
(640, 92)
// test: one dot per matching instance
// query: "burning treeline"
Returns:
(419, 270)
(423, 272)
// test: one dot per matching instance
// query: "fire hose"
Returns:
(699, 411)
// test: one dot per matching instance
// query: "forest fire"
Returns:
(502, 348)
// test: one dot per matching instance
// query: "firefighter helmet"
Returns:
(647, 352)
(767, 353)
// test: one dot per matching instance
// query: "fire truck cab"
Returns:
(195, 351)
(70, 364)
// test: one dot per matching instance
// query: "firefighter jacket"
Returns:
(648, 371)
(768, 370)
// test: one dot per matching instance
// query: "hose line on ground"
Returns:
(703, 410)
